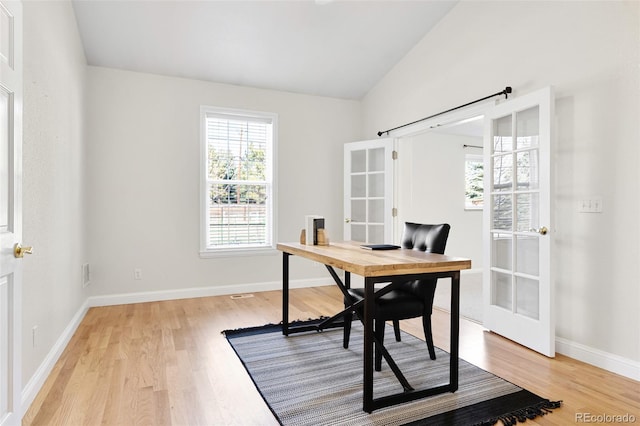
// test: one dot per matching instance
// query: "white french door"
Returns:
(518, 291)
(368, 191)
(10, 210)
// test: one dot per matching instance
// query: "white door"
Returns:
(518, 293)
(10, 209)
(368, 191)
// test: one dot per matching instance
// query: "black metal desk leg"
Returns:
(455, 330)
(369, 306)
(347, 318)
(285, 293)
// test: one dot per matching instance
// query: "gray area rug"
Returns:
(310, 379)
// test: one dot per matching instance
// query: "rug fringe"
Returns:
(240, 330)
(258, 327)
(524, 414)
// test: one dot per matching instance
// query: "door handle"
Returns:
(347, 220)
(19, 251)
(542, 230)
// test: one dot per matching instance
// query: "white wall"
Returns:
(143, 180)
(53, 177)
(432, 186)
(589, 52)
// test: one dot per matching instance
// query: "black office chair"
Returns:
(411, 299)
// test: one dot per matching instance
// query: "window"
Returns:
(237, 196)
(473, 178)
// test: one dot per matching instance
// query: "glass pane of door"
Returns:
(358, 186)
(527, 297)
(375, 160)
(501, 290)
(528, 128)
(527, 208)
(5, 168)
(527, 253)
(501, 246)
(359, 161)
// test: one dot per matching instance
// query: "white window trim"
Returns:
(272, 201)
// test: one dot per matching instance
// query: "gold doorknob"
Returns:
(542, 230)
(19, 251)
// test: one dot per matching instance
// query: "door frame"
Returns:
(389, 220)
(11, 84)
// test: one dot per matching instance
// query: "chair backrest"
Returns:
(428, 238)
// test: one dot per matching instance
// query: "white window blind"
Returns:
(238, 190)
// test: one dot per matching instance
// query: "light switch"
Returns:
(590, 205)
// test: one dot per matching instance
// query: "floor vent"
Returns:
(241, 296)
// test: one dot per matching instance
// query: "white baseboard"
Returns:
(188, 293)
(605, 360)
(31, 389)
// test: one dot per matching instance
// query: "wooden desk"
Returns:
(380, 266)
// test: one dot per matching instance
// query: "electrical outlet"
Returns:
(86, 275)
(34, 329)
(137, 274)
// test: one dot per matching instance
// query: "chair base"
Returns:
(378, 331)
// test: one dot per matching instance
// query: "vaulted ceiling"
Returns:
(339, 48)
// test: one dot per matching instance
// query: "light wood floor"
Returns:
(166, 363)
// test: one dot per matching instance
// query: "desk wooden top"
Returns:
(349, 256)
